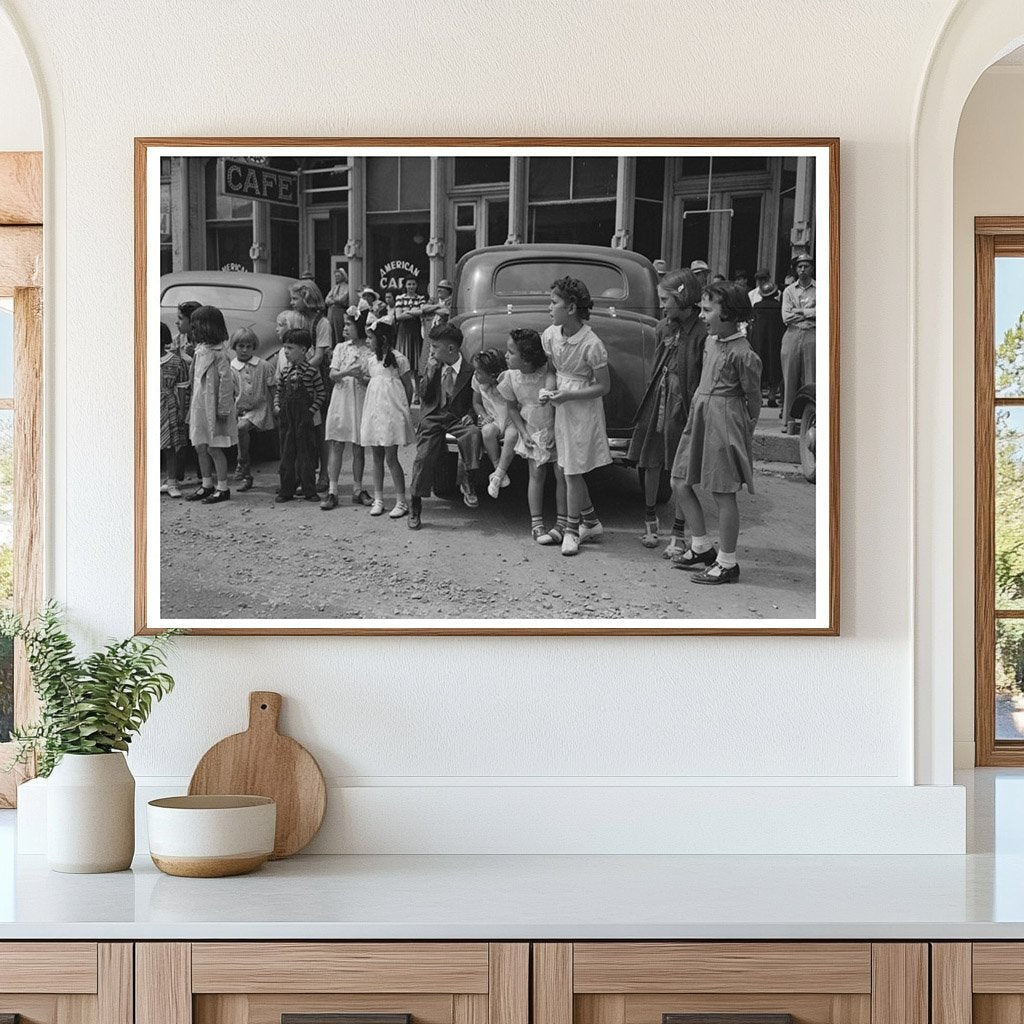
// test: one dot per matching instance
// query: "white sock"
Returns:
(207, 481)
(727, 559)
(222, 485)
(333, 489)
(700, 544)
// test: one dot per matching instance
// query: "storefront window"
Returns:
(696, 232)
(745, 235)
(593, 176)
(325, 181)
(648, 209)
(700, 165)
(578, 177)
(166, 257)
(481, 170)
(397, 183)
(579, 223)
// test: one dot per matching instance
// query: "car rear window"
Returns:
(534, 277)
(223, 296)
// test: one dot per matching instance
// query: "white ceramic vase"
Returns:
(90, 814)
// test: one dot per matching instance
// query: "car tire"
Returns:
(445, 473)
(664, 485)
(808, 441)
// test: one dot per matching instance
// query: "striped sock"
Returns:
(562, 522)
(536, 521)
(677, 526)
(573, 525)
(589, 516)
(650, 512)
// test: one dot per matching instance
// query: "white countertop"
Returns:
(976, 896)
(516, 897)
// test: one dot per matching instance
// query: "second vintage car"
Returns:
(502, 287)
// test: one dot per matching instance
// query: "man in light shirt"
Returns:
(799, 314)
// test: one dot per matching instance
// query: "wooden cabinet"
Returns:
(307, 982)
(977, 983)
(759, 982)
(66, 982)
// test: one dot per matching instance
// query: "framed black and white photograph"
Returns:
(441, 386)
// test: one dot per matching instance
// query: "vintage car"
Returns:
(246, 300)
(506, 286)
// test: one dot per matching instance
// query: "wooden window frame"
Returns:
(21, 278)
(993, 237)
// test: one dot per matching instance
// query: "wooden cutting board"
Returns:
(262, 762)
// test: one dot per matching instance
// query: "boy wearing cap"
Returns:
(799, 313)
(700, 270)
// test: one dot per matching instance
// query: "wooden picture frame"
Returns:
(815, 159)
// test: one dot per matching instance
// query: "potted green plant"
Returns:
(89, 710)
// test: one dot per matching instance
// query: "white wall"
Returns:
(987, 182)
(21, 125)
(429, 717)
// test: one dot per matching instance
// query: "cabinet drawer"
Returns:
(730, 983)
(634, 967)
(340, 967)
(332, 983)
(64, 967)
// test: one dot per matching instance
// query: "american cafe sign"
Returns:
(256, 181)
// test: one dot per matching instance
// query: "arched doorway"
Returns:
(977, 33)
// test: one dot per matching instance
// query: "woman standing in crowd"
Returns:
(350, 374)
(408, 317)
(766, 332)
(716, 449)
(337, 303)
(666, 403)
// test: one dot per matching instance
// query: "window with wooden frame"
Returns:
(21, 366)
(999, 490)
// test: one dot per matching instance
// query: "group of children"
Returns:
(540, 399)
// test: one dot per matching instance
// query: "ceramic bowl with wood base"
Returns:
(211, 836)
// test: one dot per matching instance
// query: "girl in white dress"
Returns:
(345, 413)
(386, 422)
(521, 385)
(576, 385)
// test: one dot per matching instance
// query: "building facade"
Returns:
(384, 218)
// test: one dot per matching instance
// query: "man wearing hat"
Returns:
(441, 307)
(799, 313)
(660, 268)
(700, 270)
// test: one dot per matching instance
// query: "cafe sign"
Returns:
(258, 182)
(394, 273)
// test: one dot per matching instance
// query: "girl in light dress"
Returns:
(350, 374)
(716, 449)
(212, 423)
(521, 385)
(576, 384)
(497, 433)
(255, 381)
(173, 415)
(387, 424)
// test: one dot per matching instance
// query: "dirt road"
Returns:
(252, 558)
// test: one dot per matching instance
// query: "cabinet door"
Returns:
(332, 983)
(730, 983)
(978, 983)
(66, 982)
